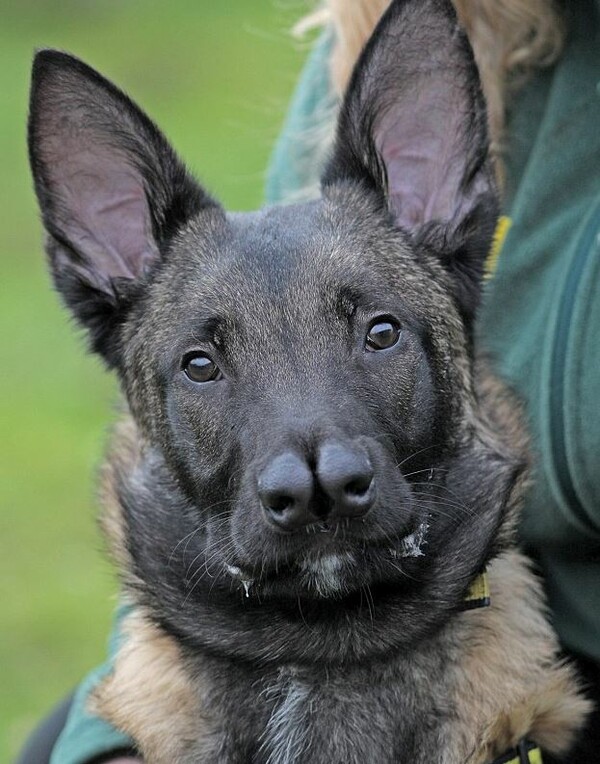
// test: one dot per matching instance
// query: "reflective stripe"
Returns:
(478, 594)
(502, 228)
(524, 756)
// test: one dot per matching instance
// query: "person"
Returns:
(540, 67)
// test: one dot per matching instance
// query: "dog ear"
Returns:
(111, 190)
(413, 129)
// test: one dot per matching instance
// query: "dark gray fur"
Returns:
(304, 669)
(381, 711)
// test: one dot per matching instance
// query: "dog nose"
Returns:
(345, 474)
(285, 488)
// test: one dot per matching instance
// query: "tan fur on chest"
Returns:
(510, 682)
(148, 695)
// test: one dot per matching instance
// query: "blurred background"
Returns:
(216, 76)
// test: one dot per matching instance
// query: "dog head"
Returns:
(301, 378)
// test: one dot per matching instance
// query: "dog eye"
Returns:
(383, 334)
(201, 368)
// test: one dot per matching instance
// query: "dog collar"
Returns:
(478, 594)
(524, 753)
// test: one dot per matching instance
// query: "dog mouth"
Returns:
(333, 573)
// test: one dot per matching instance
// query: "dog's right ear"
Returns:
(111, 190)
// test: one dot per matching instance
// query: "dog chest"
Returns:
(326, 718)
(305, 716)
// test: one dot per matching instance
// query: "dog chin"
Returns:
(334, 574)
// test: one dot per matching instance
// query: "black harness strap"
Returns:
(526, 752)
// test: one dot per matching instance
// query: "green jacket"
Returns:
(540, 322)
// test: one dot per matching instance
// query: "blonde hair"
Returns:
(510, 39)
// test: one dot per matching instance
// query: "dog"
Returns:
(314, 469)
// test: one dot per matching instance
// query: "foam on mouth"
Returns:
(323, 572)
(237, 573)
(410, 546)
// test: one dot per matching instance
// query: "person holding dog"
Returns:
(539, 65)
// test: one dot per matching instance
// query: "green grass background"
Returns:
(216, 75)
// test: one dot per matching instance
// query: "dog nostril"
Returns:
(358, 486)
(285, 490)
(278, 503)
(346, 476)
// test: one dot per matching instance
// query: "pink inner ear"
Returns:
(104, 211)
(419, 144)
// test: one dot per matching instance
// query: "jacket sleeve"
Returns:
(85, 736)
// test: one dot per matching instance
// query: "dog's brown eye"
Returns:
(201, 368)
(383, 334)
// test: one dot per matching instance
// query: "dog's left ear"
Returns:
(413, 129)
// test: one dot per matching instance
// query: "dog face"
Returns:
(289, 383)
(300, 377)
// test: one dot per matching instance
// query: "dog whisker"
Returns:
(418, 453)
(190, 535)
(194, 583)
(425, 469)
